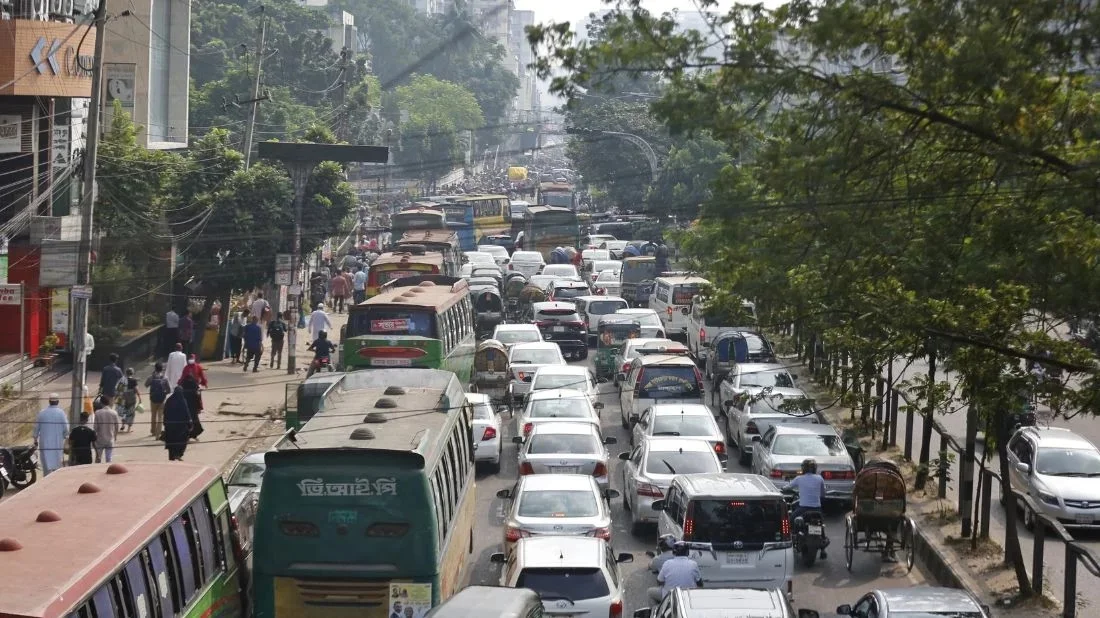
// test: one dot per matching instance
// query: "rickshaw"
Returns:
(513, 286)
(637, 277)
(488, 313)
(491, 369)
(530, 295)
(611, 333)
(878, 518)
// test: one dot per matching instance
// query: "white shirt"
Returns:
(679, 572)
(318, 321)
(810, 489)
(258, 307)
(173, 369)
(171, 320)
(89, 344)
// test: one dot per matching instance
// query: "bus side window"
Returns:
(204, 522)
(134, 588)
(225, 544)
(455, 448)
(437, 495)
(186, 560)
(449, 475)
(122, 608)
(166, 574)
(102, 604)
(190, 526)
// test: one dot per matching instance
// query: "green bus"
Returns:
(547, 227)
(371, 503)
(149, 539)
(426, 326)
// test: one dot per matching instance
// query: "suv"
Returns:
(705, 602)
(743, 517)
(564, 290)
(581, 573)
(660, 378)
(1060, 470)
(706, 322)
(559, 323)
(591, 308)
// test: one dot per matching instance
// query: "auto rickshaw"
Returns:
(513, 286)
(491, 369)
(530, 295)
(488, 313)
(611, 333)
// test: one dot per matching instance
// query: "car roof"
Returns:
(477, 398)
(569, 283)
(755, 367)
(664, 444)
(557, 393)
(562, 265)
(723, 602)
(665, 359)
(571, 428)
(928, 599)
(550, 482)
(527, 254)
(805, 429)
(694, 409)
(256, 457)
(535, 345)
(725, 484)
(1058, 437)
(595, 297)
(553, 304)
(563, 369)
(506, 327)
(636, 311)
(561, 551)
(678, 279)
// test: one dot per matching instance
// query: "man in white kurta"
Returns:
(173, 369)
(318, 321)
(50, 430)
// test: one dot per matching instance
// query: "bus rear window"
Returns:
(682, 294)
(382, 277)
(725, 523)
(564, 583)
(380, 321)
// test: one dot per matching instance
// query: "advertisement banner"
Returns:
(11, 294)
(120, 78)
(11, 133)
(410, 600)
(59, 311)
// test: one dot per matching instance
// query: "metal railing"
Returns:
(833, 371)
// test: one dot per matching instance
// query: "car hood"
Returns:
(1072, 487)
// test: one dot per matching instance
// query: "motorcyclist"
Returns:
(664, 549)
(679, 572)
(322, 349)
(810, 487)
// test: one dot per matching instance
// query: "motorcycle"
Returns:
(318, 364)
(807, 531)
(20, 465)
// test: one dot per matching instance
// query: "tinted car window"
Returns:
(809, 446)
(682, 425)
(573, 584)
(569, 444)
(751, 522)
(569, 292)
(560, 315)
(483, 411)
(517, 336)
(658, 382)
(558, 408)
(248, 473)
(780, 378)
(1068, 462)
(558, 504)
(545, 382)
(603, 307)
(674, 462)
(535, 357)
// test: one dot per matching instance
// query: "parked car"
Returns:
(556, 504)
(562, 405)
(486, 430)
(559, 323)
(780, 453)
(916, 601)
(1060, 470)
(649, 468)
(564, 448)
(682, 420)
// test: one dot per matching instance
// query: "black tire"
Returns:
(849, 543)
(31, 477)
(583, 354)
(808, 557)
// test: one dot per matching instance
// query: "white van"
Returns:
(704, 325)
(672, 296)
(743, 517)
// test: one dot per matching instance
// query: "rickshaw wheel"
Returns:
(849, 542)
(908, 530)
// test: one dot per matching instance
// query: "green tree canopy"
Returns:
(439, 114)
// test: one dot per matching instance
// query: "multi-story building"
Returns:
(494, 18)
(341, 25)
(429, 7)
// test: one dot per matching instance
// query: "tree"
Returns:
(439, 113)
(686, 177)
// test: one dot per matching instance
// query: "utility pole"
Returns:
(342, 123)
(80, 302)
(254, 100)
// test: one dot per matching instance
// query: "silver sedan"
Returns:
(556, 504)
(680, 420)
(650, 466)
(555, 405)
(780, 453)
(565, 448)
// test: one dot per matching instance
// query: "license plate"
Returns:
(815, 530)
(1083, 519)
(558, 329)
(566, 469)
(737, 558)
(391, 362)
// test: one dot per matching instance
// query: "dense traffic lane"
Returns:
(822, 587)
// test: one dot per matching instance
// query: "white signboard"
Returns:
(57, 266)
(11, 133)
(82, 291)
(283, 268)
(60, 154)
(120, 79)
(11, 294)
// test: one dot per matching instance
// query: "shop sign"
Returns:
(11, 133)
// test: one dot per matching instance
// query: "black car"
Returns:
(559, 323)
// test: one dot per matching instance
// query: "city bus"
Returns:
(547, 227)
(408, 262)
(417, 217)
(371, 503)
(135, 539)
(557, 194)
(443, 242)
(480, 215)
(425, 326)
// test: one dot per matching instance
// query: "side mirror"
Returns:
(517, 439)
(597, 406)
(624, 558)
(1023, 468)
(844, 610)
(504, 494)
(625, 455)
(610, 494)
(610, 440)
(808, 613)
(643, 613)
(497, 558)
(658, 505)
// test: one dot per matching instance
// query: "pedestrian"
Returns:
(106, 423)
(177, 424)
(261, 309)
(171, 331)
(359, 285)
(253, 343)
(81, 439)
(177, 361)
(130, 397)
(89, 346)
(236, 332)
(276, 330)
(339, 288)
(186, 331)
(318, 321)
(109, 377)
(51, 426)
(193, 381)
(159, 388)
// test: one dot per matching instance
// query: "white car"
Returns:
(577, 573)
(607, 283)
(779, 455)
(529, 263)
(481, 260)
(659, 378)
(565, 448)
(588, 256)
(511, 334)
(757, 410)
(523, 360)
(561, 271)
(682, 420)
(562, 405)
(573, 377)
(556, 504)
(652, 327)
(649, 468)
(487, 430)
(599, 266)
(500, 254)
(752, 377)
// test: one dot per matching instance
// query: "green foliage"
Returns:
(440, 115)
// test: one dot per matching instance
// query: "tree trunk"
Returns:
(865, 408)
(929, 416)
(1013, 555)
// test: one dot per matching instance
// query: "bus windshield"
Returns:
(393, 321)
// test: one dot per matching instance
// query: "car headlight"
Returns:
(1048, 498)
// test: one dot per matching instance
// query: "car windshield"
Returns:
(681, 462)
(571, 584)
(563, 444)
(483, 411)
(1068, 462)
(768, 378)
(527, 257)
(479, 257)
(494, 250)
(517, 336)
(658, 382)
(560, 269)
(682, 425)
(608, 265)
(729, 522)
(569, 292)
(558, 315)
(607, 276)
(566, 407)
(808, 446)
(535, 357)
(546, 382)
(558, 504)
(248, 473)
(648, 318)
(604, 307)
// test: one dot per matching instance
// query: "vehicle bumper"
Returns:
(488, 450)
(1072, 517)
(644, 512)
(570, 345)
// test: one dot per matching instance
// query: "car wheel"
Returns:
(583, 354)
(1029, 519)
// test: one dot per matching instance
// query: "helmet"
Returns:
(680, 548)
(809, 466)
(666, 542)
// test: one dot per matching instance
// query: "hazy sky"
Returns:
(576, 11)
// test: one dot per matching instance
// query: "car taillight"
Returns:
(542, 323)
(576, 323)
(720, 448)
(840, 475)
(526, 468)
(601, 533)
(650, 491)
(527, 427)
(751, 428)
(785, 528)
(522, 375)
(616, 609)
(689, 528)
(490, 433)
(514, 534)
(702, 335)
(600, 470)
(776, 474)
